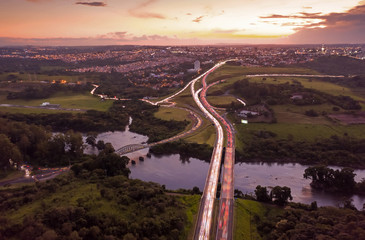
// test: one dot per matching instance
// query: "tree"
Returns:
(8, 151)
(262, 194)
(91, 140)
(281, 195)
(196, 190)
(331, 180)
(74, 143)
(113, 164)
(100, 145)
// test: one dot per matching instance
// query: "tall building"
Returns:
(197, 65)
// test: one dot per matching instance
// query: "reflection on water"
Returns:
(249, 175)
(171, 171)
(177, 172)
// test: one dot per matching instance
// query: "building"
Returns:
(197, 65)
(245, 113)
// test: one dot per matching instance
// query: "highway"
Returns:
(205, 214)
(225, 214)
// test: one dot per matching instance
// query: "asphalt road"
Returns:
(42, 174)
(205, 215)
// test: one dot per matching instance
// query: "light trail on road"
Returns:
(209, 193)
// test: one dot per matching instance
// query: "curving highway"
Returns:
(205, 214)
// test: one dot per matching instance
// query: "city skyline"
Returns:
(162, 22)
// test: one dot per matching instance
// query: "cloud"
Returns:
(37, 1)
(139, 11)
(198, 19)
(346, 27)
(92, 4)
(227, 31)
(300, 15)
(112, 38)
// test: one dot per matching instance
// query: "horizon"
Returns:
(191, 23)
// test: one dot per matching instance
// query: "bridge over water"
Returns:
(131, 148)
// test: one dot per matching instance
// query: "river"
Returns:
(175, 172)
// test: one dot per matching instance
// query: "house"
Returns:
(245, 113)
(296, 96)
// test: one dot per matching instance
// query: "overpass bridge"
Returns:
(131, 148)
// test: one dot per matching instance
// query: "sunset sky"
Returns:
(170, 22)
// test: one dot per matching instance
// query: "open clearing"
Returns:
(66, 100)
(244, 212)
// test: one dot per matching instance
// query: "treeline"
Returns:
(274, 94)
(330, 180)
(108, 205)
(37, 145)
(340, 151)
(47, 90)
(185, 149)
(278, 195)
(300, 221)
(337, 65)
(116, 118)
(145, 123)
(117, 84)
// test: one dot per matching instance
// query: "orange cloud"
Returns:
(139, 12)
(92, 4)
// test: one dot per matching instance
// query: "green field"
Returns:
(245, 227)
(307, 132)
(172, 113)
(66, 100)
(192, 203)
(38, 77)
(296, 114)
(205, 134)
(228, 71)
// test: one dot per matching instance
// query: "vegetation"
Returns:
(341, 151)
(255, 220)
(46, 91)
(115, 119)
(97, 201)
(83, 101)
(307, 222)
(36, 145)
(330, 180)
(337, 65)
(278, 195)
(144, 121)
(185, 149)
(249, 215)
(274, 94)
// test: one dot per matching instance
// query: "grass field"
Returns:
(206, 134)
(296, 114)
(221, 100)
(38, 77)
(317, 84)
(228, 71)
(66, 100)
(308, 132)
(69, 197)
(171, 113)
(192, 204)
(244, 226)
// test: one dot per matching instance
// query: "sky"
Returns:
(186, 22)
